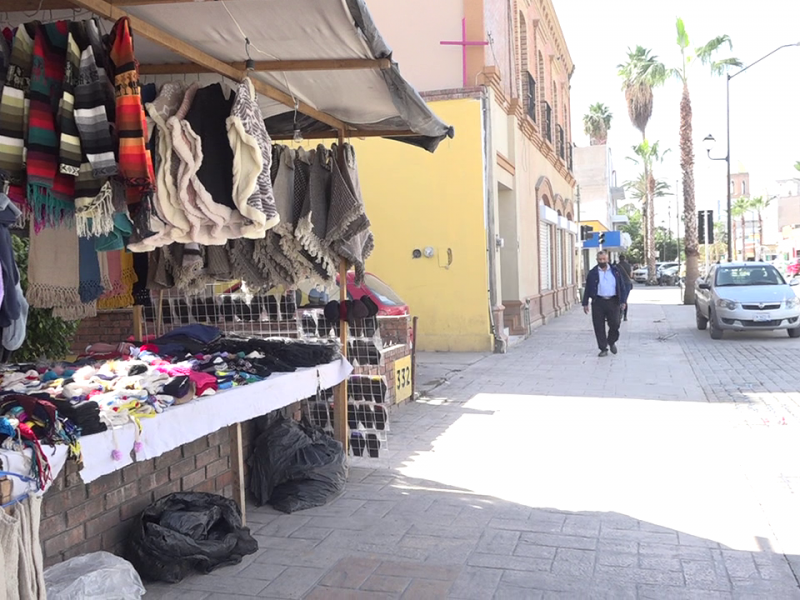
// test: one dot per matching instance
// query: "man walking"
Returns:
(608, 293)
(626, 271)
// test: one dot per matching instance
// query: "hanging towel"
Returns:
(50, 193)
(31, 561)
(122, 276)
(252, 162)
(10, 544)
(70, 143)
(14, 106)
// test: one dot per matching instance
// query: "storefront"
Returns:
(194, 190)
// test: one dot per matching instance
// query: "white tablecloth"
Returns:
(185, 423)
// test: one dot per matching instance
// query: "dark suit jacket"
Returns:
(593, 281)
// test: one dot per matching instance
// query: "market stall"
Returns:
(149, 132)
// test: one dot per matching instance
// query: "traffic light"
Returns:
(705, 226)
(586, 232)
(601, 238)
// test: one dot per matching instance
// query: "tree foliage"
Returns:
(46, 336)
(596, 123)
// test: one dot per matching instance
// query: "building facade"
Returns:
(480, 240)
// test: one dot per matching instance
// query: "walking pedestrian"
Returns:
(608, 294)
(626, 271)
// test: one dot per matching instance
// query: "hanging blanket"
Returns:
(283, 186)
(245, 266)
(14, 106)
(50, 192)
(252, 160)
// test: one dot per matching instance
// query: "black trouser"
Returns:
(605, 310)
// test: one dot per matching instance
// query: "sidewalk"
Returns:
(552, 473)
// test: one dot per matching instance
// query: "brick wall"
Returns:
(78, 518)
(109, 326)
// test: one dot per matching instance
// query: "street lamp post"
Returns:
(709, 140)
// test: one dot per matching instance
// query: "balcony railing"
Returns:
(569, 158)
(530, 98)
(560, 134)
(547, 121)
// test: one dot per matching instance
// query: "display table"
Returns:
(179, 425)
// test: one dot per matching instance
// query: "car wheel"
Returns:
(714, 329)
(702, 322)
(794, 333)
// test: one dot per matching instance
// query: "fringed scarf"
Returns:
(50, 192)
(122, 277)
(313, 221)
(53, 268)
(93, 98)
(91, 281)
(14, 106)
(70, 143)
(134, 159)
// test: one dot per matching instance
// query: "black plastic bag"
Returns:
(188, 531)
(295, 467)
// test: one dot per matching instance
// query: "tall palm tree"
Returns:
(640, 74)
(596, 124)
(760, 204)
(739, 210)
(648, 155)
(704, 54)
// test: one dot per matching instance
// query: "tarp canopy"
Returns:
(324, 56)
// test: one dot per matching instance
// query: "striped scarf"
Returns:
(70, 143)
(134, 159)
(49, 191)
(14, 107)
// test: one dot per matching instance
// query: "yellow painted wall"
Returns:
(416, 199)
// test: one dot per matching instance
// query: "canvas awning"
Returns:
(325, 57)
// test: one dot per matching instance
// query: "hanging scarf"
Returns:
(49, 191)
(122, 277)
(14, 106)
(135, 162)
(312, 224)
(91, 285)
(70, 143)
(53, 268)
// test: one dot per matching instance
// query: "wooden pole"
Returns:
(238, 468)
(160, 314)
(341, 432)
(337, 64)
(138, 323)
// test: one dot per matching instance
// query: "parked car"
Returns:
(793, 268)
(669, 276)
(746, 296)
(640, 275)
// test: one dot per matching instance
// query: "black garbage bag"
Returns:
(295, 467)
(185, 532)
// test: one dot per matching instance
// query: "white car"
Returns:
(746, 296)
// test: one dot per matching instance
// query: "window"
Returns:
(744, 188)
(547, 121)
(560, 258)
(744, 276)
(530, 97)
(733, 187)
(544, 256)
(570, 259)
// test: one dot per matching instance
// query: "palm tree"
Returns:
(649, 154)
(596, 124)
(760, 204)
(640, 74)
(705, 54)
(740, 209)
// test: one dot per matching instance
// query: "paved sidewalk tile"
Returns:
(668, 471)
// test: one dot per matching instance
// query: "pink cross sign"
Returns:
(464, 43)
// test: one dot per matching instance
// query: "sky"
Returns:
(765, 101)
